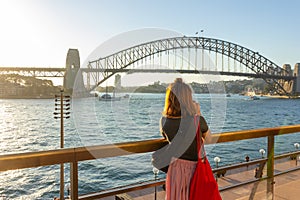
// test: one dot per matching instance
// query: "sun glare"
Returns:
(21, 32)
(12, 19)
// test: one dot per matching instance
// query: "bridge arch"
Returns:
(259, 65)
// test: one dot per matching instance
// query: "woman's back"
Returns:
(185, 130)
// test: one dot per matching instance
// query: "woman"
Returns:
(178, 126)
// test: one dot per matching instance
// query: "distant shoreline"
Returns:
(52, 97)
(281, 97)
(30, 97)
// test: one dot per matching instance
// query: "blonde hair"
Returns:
(179, 100)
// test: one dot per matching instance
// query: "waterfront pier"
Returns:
(278, 172)
(286, 186)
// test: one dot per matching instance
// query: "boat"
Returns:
(252, 95)
(254, 98)
(108, 97)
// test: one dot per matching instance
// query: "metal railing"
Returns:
(78, 154)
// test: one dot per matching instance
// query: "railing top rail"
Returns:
(255, 133)
(52, 157)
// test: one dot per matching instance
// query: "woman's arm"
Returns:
(207, 137)
(206, 133)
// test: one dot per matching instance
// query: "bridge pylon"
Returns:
(72, 79)
(287, 85)
(296, 84)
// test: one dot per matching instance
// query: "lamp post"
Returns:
(62, 105)
(68, 190)
(155, 172)
(247, 158)
(217, 160)
(262, 152)
(296, 145)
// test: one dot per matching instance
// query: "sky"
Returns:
(38, 33)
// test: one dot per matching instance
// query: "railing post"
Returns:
(74, 180)
(270, 168)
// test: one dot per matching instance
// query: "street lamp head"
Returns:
(217, 159)
(262, 151)
(155, 170)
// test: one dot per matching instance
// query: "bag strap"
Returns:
(199, 137)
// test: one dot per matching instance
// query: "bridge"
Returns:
(193, 55)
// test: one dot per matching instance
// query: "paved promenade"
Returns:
(286, 187)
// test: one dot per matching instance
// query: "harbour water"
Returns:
(28, 125)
